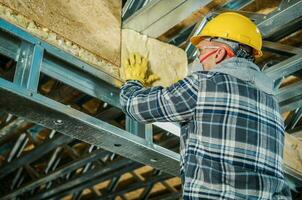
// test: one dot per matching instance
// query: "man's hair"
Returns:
(240, 50)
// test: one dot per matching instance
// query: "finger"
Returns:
(138, 59)
(144, 65)
(144, 62)
(123, 73)
(176, 79)
(152, 78)
(132, 59)
(126, 62)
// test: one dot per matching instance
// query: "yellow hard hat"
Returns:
(232, 26)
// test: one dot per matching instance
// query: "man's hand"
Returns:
(136, 68)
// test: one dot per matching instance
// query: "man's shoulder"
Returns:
(203, 75)
(211, 76)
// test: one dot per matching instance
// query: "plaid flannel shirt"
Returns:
(232, 134)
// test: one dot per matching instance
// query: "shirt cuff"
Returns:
(134, 81)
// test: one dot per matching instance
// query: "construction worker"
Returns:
(232, 133)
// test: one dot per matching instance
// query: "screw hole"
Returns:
(117, 145)
(58, 122)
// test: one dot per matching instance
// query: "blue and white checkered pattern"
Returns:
(232, 134)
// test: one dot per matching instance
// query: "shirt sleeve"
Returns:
(172, 104)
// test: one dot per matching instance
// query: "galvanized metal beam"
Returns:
(294, 119)
(35, 154)
(12, 127)
(54, 115)
(28, 65)
(291, 104)
(285, 20)
(104, 116)
(74, 123)
(281, 49)
(93, 180)
(145, 195)
(9, 45)
(88, 83)
(285, 68)
(32, 172)
(12, 36)
(236, 4)
(95, 155)
(145, 184)
(171, 127)
(97, 174)
(289, 91)
(173, 196)
(16, 147)
(54, 157)
(19, 178)
(131, 6)
(158, 16)
(140, 129)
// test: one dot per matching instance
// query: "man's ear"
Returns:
(220, 55)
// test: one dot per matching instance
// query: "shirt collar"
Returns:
(237, 62)
(246, 71)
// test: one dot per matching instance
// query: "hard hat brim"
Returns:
(196, 39)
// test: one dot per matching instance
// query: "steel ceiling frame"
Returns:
(158, 16)
(67, 70)
(34, 56)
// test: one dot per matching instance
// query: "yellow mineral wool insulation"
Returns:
(298, 135)
(94, 25)
(57, 40)
(165, 60)
(293, 153)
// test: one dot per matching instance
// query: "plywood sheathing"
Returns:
(166, 61)
(90, 29)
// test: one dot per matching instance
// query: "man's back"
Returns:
(233, 147)
(232, 132)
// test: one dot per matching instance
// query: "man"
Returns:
(232, 133)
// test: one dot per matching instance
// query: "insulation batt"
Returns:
(165, 60)
(57, 40)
